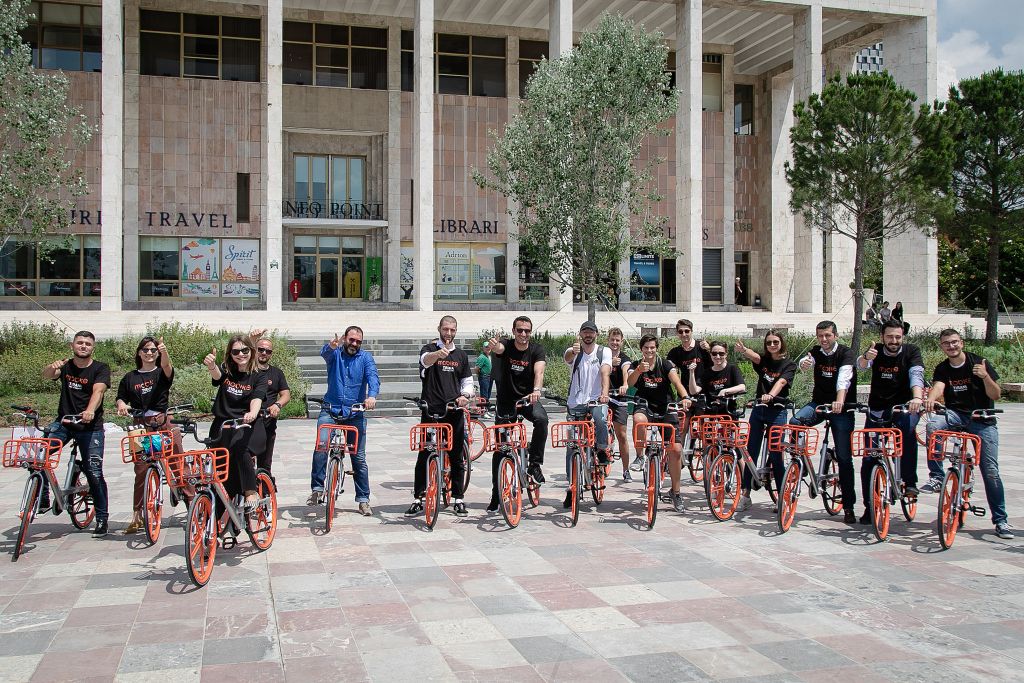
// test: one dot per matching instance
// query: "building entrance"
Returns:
(329, 268)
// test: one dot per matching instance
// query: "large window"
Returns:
(469, 272)
(200, 267)
(64, 270)
(328, 186)
(463, 65)
(534, 283)
(743, 107)
(336, 56)
(711, 80)
(712, 278)
(531, 52)
(199, 46)
(63, 36)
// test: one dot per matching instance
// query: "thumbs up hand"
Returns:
(211, 358)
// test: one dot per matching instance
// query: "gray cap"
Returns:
(589, 325)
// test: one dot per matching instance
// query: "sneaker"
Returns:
(414, 509)
(567, 503)
(364, 509)
(134, 527)
(677, 502)
(626, 477)
(314, 498)
(460, 509)
(602, 456)
(744, 503)
(1004, 530)
(932, 486)
(638, 464)
(910, 491)
(534, 470)
(493, 505)
(101, 529)
(849, 517)
(866, 517)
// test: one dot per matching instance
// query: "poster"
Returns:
(240, 267)
(644, 269)
(241, 289)
(199, 262)
(200, 289)
(374, 277)
(407, 272)
(453, 272)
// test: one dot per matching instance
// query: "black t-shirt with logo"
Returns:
(76, 389)
(655, 387)
(962, 390)
(713, 381)
(826, 373)
(890, 376)
(771, 370)
(682, 359)
(236, 391)
(442, 381)
(514, 370)
(276, 383)
(147, 391)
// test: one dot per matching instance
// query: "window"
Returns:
(463, 65)
(198, 267)
(743, 104)
(335, 56)
(71, 269)
(158, 266)
(531, 52)
(533, 282)
(469, 272)
(199, 46)
(65, 37)
(712, 278)
(328, 187)
(242, 197)
(711, 73)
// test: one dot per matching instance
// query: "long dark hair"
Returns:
(782, 342)
(233, 366)
(138, 358)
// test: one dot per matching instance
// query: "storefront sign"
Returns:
(333, 210)
(167, 219)
(464, 227)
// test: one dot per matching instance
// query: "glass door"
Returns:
(329, 268)
(328, 275)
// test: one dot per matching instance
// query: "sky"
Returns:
(976, 36)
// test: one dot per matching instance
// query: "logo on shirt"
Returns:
(960, 385)
(827, 371)
(448, 365)
(652, 382)
(236, 388)
(75, 382)
(518, 365)
(143, 388)
(887, 372)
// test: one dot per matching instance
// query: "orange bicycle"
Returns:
(584, 470)
(435, 438)
(509, 439)
(799, 443)
(885, 446)
(726, 443)
(650, 438)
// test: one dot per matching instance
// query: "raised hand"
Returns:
(211, 358)
(336, 342)
(576, 346)
(871, 353)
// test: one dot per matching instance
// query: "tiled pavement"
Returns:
(383, 599)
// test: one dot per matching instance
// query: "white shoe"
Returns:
(744, 503)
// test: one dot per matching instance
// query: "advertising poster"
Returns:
(240, 267)
(199, 261)
(407, 272)
(453, 272)
(644, 269)
(241, 289)
(200, 289)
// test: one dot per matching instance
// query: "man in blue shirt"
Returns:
(351, 378)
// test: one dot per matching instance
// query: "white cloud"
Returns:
(966, 54)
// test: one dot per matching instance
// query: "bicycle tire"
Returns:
(80, 506)
(575, 480)
(446, 491)
(723, 486)
(34, 484)
(948, 521)
(200, 546)
(789, 497)
(909, 505)
(831, 491)
(597, 483)
(532, 485)
(880, 511)
(264, 517)
(695, 464)
(510, 491)
(331, 492)
(432, 499)
(921, 432)
(653, 488)
(476, 435)
(152, 509)
(769, 486)
(710, 454)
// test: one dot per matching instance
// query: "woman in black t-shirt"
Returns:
(147, 388)
(721, 380)
(241, 390)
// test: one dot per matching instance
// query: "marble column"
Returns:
(423, 155)
(273, 229)
(559, 43)
(779, 250)
(689, 209)
(512, 243)
(393, 241)
(729, 183)
(112, 157)
(130, 165)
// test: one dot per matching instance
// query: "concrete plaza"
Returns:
(381, 598)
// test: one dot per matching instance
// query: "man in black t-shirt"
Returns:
(446, 376)
(897, 377)
(278, 396)
(968, 382)
(689, 350)
(83, 382)
(519, 368)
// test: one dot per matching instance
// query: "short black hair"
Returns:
(84, 333)
(353, 327)
(827, 324)
(892, 324)
(522, 319)
(648, 338)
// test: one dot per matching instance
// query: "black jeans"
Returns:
(456, 456)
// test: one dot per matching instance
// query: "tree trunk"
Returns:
(992, 317)
(591, 308)
(858, 290)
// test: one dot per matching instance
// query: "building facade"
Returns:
(320, 155)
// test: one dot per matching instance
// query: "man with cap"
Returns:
(589, 380)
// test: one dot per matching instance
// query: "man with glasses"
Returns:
(519, 367)
(351, 378)
(278, 395)
(967, 382)
(589, 380)
(688, 353)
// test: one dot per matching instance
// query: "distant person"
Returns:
(885, 313)
(483, 369)
(897, 311)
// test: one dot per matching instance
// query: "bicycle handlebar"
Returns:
(788, 405)
(449, 407)
(825, 409)
(978, 414)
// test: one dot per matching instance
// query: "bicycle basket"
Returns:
(948, 444)
(143, 446)
(645, 433)
(430, 436)
(579, 433)
(793, 439)
(697, 423)
(197, 467)
(35, 453)
(512, 435)
(327, 433)
(728, 433)
(876, 442)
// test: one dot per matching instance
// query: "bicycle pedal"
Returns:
(228, 542)
(978, 511)
(350, 473)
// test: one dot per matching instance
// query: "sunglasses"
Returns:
(355, 342)
(772, 342)
(152, 349)
(521, 330)
(718, 353)
(683, 331)
(265, 351)
(240, 352)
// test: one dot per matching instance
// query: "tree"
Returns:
(988, 174)
(39, 134)
(569, 158)
(867, 166)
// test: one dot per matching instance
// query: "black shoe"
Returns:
(567, 503)
(866, 517)
(44, 503)
(849, 517)
(534, 471)
(493, 505)
(415, 509)
(101, 528)
(460, 509)
(911, 492)
(602, 457)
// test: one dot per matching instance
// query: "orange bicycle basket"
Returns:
(948, 444)
(876, 442)
(580, 433)
(697, 423)
(34, 453)
(643, 433)
(793, 439)
(430, 436)
(728, 433)
(197, 467)
(143, 446)
(325, 434)
(514, 436)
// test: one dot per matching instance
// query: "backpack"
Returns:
(579, 359)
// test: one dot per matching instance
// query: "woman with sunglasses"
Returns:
(241, 390)
(775, 372)
(147, 388)
(721, 380)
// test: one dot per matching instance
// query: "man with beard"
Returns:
(278, 396)
(590, 369)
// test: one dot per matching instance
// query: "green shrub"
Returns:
(14, 336)
(21, 369)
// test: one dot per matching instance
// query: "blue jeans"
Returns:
(600, 416)
(989, 435)
(762, 417)
(906, 423)
(842, 428)
(485, 387)
(360, 473)
(90, 445)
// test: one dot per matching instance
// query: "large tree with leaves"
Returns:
(869, 165)
(569, 159)
(988, 175)
(39, 134)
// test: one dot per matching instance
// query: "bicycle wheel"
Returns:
(695, 463)
(831, 493)
(921, 432)
(880, 502)
(151, 506)
(432, 501)
(948, 521)
(597, 483)
(446, 491)
(789, 496)
(510, 491)
(80, 505)
(476, 435)
(575, 481)
(32, 486)
(263, 520)
(769, 486)
(331, 491)
(723, 486)
(653, 488)
(532, 486)
(200, 544)
(909, 505)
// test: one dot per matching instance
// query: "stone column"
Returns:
(807, 243)
(779, 251)
(112, 157)
(729, 184)
(511, 242)
(910, 269)
(273, 229)
(130, 179)
(689, 209)
(423, 155)
(559, 43)
(393, 168)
